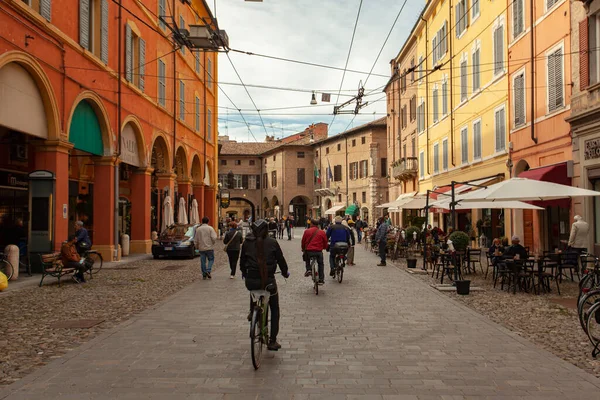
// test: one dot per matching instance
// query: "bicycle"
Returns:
(5, 266)
(259, 323)
(341, 249)
(315, 274)
(593, 328)
(95, 263)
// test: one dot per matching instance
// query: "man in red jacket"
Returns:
(314, 241)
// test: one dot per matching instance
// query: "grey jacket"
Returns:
(579, 235)
(205, 238)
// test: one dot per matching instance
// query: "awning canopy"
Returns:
(556, 173)
(334, 210)
(517, 205)
(325, 192)
(352, 209)
(403, 198)
(414, 203)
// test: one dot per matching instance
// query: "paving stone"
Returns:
(381, 334)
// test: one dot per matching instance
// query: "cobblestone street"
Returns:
(381, 334)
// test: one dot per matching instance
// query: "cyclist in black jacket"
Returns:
(258, 263)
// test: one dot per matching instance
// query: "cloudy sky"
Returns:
(315, 31)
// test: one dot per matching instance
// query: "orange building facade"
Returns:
(97, 95)
(539, 65)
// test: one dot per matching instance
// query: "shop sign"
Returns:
(13, 179)
(129, 147)
(592, 149)
(225, 201)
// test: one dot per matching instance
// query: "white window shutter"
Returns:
(463, 81)
(519, 89)
(457, 19)
(445, 38)
(128, 54)
(464, 145)
(434, 52)
(84, 23)
(142, 66)
(46, 9)
(435, 105)
(555, 80)
(104, 41)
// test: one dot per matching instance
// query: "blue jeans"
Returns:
(210, 254)
(359, 234)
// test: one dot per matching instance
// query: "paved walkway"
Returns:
(380, 334)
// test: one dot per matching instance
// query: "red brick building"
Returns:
(97, 95)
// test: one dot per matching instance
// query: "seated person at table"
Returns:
(496, 246)
(516, 249)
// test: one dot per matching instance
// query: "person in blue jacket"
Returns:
(337, 233)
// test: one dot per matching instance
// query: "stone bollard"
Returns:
(12, 255)
(154, 236)
(124, 245)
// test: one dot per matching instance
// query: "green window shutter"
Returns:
(128, 55)
(84, 23)
(84, 131)
(46, 9)
(142, 66)
(104, 41)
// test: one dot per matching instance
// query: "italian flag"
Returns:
(317, 174)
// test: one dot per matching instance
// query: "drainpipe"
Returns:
(532, 43)
(218, 206)
(175, 104)
(451, 90)
(426, 93)
(118, 154)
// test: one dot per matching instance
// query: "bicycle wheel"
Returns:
(256, 341)
(339, 271)
(6, 268)
(593, 324)
(585, 304)
(97, 259)
(315, 274)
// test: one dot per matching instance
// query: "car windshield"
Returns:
(179, 231)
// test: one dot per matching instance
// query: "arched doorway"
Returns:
(91, 184)
(243, 208)
(160, 162)
(182, 187)
(300, 209)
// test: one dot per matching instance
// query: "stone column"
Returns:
(104, 207)
(210, 205)
(199, 195)
(167, 180)
(140, 211)
(53, 156)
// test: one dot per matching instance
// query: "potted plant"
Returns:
(460, 242)
(413, 243)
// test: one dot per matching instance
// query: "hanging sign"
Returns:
(129, 147)
(225, 201)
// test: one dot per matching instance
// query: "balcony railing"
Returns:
(405, 168)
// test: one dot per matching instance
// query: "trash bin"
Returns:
(11, 252)
(124, 245)
(411, 262)
(463, 287)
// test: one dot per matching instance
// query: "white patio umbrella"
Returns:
(194, 216)
(167, 219)
(522, 189)
(477, 205)
(182, 212)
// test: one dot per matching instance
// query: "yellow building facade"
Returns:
(462, 102)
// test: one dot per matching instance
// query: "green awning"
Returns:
(84, 131)
(352, 209)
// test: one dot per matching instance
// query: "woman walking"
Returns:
(233, 242)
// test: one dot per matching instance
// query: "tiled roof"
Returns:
(246, 149)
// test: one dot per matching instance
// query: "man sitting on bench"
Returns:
(71, 259)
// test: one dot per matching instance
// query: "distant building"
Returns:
(290, 176)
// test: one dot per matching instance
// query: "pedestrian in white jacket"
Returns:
(579, 235)
(204, 240)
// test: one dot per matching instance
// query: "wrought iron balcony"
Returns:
(405, 168)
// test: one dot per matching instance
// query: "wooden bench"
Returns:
(52, 266)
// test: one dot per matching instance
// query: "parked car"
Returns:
(176, 241)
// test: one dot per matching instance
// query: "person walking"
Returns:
(381, 238)
(359, 226)
(349, 224)
(233, 241)
(204, 240)
(579, 235)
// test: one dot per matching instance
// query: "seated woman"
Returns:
(496, 251)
